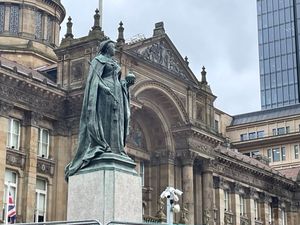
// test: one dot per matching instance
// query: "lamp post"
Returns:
(172, 196)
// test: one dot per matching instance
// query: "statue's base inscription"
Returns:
(110, 190)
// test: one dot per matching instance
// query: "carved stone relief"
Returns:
(159, 53)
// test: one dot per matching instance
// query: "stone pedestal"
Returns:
(109, 189)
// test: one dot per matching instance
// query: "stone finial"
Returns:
(69, 33)
(203, 76)
(96, 21)
(120, 40)
(186, 59)
(159, 29)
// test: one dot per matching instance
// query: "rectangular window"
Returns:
(13, 134)
(270, 155)
(242, 205)
(14, 19)
(283, 152)
(226, 200)
(217, 125)
(142, 173)
(40, 201)
(280, 130)
(270, 213)
(43, 143)
(287, 130)
(244, 137)
(296, 151)
(260, 134)
(10, 186)
(252, 135)
(283, 218)
(276, 154)
(255, 153)
(256, 209)
(274, 131)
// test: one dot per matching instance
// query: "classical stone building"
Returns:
(177, 135)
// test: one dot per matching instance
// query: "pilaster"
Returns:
(207, 190)
(187, 160)
(265, 201)
(31, 144)
(235, 203)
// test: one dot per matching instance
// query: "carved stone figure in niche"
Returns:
(136, 136)
(200, 113)
(206, 217)
(77, 71)
(184, 215)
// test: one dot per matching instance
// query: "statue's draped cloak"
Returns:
(104, 121)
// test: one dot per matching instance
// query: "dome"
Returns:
(29, 30)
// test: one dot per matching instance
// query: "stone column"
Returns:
(235, 203)
(264, 201)
(187, 160)
(251, 195)
(198, 194)
(4, 112)
(219, 196)
(292, 214)
(166, 169)
(31, 144)
(207, 191)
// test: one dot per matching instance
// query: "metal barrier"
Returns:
(79, 222)
(129, 223)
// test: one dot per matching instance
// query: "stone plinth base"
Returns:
(109, 189)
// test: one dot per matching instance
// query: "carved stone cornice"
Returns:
(45, 166)
(15, 158)
(251, 193)
(219, 183)
(163, 157)
(265, 198)
(236, 188)
(32, 118)
(27, 95)
(5, 108)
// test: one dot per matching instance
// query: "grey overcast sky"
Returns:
(218, 34)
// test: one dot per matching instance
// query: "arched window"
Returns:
(2, 16)
(38, 25)
(14, 19)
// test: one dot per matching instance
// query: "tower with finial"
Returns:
(120, 40)
(69, 34)
(203, 76)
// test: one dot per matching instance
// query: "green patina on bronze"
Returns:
(104, 121)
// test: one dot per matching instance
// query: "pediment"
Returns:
(162, 52)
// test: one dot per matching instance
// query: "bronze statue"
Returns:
(104, 121)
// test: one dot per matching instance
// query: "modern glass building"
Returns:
(278, 34)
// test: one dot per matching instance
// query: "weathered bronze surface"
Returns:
(105, 111)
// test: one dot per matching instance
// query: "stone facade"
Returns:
(174, 139)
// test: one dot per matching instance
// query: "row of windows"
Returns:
(260, 134)
(257, 210)
(275, 18)
(277, 49)
(14, 133)
(252, 135)
(287, 77)
(277, 154)
(11, 187)
(279, 96)
(280, 64)
(14, 18)
(264, 6)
